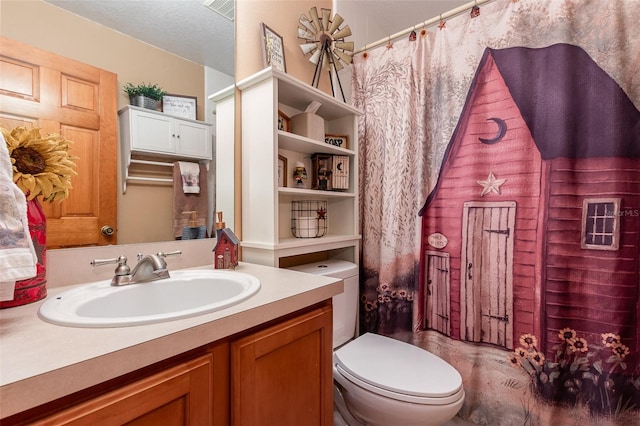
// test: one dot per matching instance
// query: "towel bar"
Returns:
(152, 163)
(162, 180)
(144, 164)
(150, 179)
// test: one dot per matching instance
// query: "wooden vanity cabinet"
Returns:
(282, 375)
(277, 373)
(180, 395)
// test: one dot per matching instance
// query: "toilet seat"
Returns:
(398, 370)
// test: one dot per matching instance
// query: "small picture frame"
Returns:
(180, 106)
(272, 49)
(284, 122)
(341, 141)
(282, 171)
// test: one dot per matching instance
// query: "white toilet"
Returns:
(379, 380)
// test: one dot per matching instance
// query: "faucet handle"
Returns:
(171, 253)
(121, 269)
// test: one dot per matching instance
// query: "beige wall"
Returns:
(49, 28)
(144, 212)
(282, 17)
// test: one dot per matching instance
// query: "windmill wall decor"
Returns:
(324, 41)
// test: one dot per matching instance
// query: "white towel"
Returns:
(190, 173)
(17, 256)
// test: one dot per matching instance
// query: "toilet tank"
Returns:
(345, 305)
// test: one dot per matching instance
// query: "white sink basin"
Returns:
(187, 293)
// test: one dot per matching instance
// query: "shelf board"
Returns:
(288, 246)
(302, 144)
(315, 193)
(298, 94)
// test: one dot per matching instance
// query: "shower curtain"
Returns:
(500, 205)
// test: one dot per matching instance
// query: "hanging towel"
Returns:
(17, 256)
(190, 174)
(186, 202)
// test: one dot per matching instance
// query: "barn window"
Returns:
(600, 223)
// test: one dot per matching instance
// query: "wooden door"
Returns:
(486, 291)
(78, 101)
(181, 395)
(282, 375)
(438, 289)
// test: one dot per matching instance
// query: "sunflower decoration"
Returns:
(41, 165)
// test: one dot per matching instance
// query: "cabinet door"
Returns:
(181, 395)
(152, 132)
(193, 139)
(282, 375)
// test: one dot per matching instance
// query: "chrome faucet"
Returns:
(149, 268)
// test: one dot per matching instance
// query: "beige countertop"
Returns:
(40, 362)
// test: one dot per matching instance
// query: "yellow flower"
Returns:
(620, 350)
(41, 165)
(578, 344)
(567, 334)
(528, 340)
(515, 361)
(610, 340)
(537, 358)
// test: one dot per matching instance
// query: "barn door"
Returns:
(438, 296)
(78, 101)
(487, 267)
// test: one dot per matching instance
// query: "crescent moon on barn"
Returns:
(502, 130)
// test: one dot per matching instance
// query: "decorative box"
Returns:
(309, 125)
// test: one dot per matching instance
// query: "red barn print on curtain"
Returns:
(538, 200)
(515, 135)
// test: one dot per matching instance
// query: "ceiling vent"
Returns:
(225, 8)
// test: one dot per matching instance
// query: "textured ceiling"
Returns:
(189, 29)
(184, 27)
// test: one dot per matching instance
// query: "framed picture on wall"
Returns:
(272, 49)
(282, 171)
(180, 106)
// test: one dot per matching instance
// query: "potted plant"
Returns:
(144, 95)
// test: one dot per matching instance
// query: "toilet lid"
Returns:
(392, 365)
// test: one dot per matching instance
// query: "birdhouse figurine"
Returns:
(225, 252)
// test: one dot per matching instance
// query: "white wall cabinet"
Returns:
(150, 135)
(266, 207)
(151, 132)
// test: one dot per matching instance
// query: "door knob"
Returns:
(106, 230)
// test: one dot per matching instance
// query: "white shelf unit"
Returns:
(266, 208)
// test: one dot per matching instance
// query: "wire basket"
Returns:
(309, 218)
